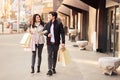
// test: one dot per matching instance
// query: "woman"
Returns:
(37, 40)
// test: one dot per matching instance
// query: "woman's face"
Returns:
(37, 19)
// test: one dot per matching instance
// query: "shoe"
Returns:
(106, 74)
(54, 71)
(32, 70)
(38, 69)
(114, 73)
(49, 73)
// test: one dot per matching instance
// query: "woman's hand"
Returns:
(44, 32)
(29, 31)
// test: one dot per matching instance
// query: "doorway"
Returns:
(112, 30)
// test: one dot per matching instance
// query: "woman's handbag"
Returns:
(63, 56)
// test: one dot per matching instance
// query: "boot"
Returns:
(38, 69)
(49, 73)
(54, 71)
(32, 70)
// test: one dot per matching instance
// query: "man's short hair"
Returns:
(53, 14)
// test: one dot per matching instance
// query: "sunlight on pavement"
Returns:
(85, 61)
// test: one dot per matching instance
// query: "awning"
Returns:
(93, 3)
(111, 3)
(76, 5)
(64, 10)
(47, 9)
(117, 1)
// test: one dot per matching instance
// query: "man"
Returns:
(54, 30)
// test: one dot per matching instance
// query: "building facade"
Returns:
(96, 21)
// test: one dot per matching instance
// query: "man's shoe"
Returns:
(49, 73)
(114, 73)
(54, 71)
(106, 74)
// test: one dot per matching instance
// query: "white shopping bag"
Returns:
(25, 39)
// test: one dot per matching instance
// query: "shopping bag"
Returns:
(63, 56)
(25, 41)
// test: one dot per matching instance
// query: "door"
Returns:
(112, 30)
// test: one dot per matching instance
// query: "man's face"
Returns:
(50, 17)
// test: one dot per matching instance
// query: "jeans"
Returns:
(38, 47)
(52, 55)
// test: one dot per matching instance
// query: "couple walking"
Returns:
(52, 30)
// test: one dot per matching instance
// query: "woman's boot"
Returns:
(38, 69)
(32, 70)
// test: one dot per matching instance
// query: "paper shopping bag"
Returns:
(63, 56)
(25, 41)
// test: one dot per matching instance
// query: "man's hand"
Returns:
(63, 45)
(49, 35)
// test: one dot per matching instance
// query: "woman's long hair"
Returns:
(34, 20)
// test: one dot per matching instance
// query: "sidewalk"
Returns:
(15, 63)
(8, 31)
(87, 63)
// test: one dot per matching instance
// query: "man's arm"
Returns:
(45, 30)
(62, 33)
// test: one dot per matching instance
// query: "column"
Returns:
(79, 25)
(71, 19)
(102, 28)
(18, 15)
(119, 34)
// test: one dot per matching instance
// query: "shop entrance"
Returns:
(112, 30)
